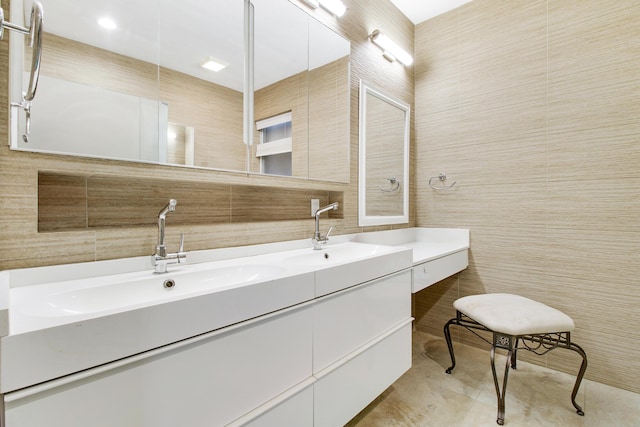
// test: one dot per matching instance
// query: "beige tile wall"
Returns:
(532, 106)
(24, 246)
(329, 121)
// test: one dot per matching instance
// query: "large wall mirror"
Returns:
(383, 179)
(137, 87)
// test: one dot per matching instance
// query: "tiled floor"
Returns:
(425, 396)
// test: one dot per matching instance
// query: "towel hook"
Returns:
(442, 178)
(35, 41)
(393, 183)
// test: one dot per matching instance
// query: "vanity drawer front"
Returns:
(346, 320)
(292, 408)
(204, 381)
(431, 272)
(349, 386)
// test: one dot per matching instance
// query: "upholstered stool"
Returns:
(516, 323)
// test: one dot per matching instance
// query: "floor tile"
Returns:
(426, 396)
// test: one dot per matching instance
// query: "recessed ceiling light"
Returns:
(213, 64)
(107, 23)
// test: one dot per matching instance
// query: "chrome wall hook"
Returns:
(442, 178)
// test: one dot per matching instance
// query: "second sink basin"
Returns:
(337, 254)
(342, 265)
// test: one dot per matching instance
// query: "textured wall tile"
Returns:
(251, 203)
(120, 202)
(434, 304)
(541, 136)
(62, 202)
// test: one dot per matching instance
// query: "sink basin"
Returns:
(337, 254)
(151, 289)
(341, 265)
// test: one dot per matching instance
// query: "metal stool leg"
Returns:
(506, 342)
(514, 355)
(583, 368)
(447, 336)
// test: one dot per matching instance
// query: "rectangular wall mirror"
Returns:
(383, 179)
(137, 89)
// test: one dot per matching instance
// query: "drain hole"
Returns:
(326, 255)
(169, 283)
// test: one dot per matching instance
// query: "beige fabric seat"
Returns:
(516, 323)
(513, 314)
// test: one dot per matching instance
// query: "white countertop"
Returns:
(427, 243)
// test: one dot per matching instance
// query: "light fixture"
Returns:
(334, 6)
(311, 3)
(213, 64)
(390, 50)
(107, 23)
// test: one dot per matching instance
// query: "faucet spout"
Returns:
(161, 258)
(318, 239)
(161, 247)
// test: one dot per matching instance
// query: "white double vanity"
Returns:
(268, 335)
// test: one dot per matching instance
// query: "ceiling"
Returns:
(420, 10)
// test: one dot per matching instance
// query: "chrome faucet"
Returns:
(318, 239)
(161, 258)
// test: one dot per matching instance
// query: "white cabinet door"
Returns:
(205, 381)
(349, 319)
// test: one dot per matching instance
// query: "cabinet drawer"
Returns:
(292, 408)
(205, 381)
(350, 385)
(431, 272)
(346, 320)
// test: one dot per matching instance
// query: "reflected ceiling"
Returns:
(175, 46)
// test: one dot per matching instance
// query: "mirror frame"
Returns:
(363, 218)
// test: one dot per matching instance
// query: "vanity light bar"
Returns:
(335, 7)
(390, 50)
(311, 3)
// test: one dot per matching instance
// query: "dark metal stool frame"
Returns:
(538, 343)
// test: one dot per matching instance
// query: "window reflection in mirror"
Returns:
(276, 144)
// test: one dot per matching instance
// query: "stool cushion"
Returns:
(513, 314)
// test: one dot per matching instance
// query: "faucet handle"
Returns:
(181, 243)
(328, 232)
